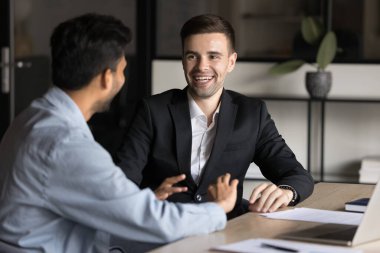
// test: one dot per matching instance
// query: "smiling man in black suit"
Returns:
(189, 137)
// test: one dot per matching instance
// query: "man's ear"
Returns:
(107, 79)
(231, 61)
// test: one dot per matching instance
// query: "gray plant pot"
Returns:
(318, 83)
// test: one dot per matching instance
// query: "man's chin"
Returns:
(104, 107)
(203, 93)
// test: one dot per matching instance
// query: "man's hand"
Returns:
(166, 188)
(268, 198)
(223, 192)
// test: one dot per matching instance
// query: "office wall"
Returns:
(351, 130)
(38, 18)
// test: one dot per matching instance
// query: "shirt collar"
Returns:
(59, 99)
(195, 111)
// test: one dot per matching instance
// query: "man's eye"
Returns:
(191, 57)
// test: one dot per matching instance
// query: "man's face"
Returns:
(207, 58)
(117, 83)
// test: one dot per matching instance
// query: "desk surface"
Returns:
(329, 196)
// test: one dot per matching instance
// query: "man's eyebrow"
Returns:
(214, 52)
(208, 53)
(191, 52)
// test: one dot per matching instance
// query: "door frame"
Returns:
(7, 105)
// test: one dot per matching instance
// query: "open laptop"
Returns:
(347, 235)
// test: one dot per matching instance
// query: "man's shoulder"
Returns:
(37, 134)
(166, 96)
(242, 99)
(47, 127)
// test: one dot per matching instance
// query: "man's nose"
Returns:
(203, 63)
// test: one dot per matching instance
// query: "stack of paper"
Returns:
(317, 215)
(369, 170)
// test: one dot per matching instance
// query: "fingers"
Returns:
(163, 193)
(176, 189)
(212, 192)
(170, 181)
(161, 196)
(256, 193)
(166, 188)
(173, 180)
(234, 183)
(221, 181)
(224, 192)
(273, 202)
(268, 198)
(226, 178)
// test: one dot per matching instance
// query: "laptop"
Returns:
(346, 235)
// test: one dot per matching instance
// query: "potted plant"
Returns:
(318, 83)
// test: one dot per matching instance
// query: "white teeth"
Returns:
(203, 78)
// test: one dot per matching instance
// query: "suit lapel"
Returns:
(226, 121)
(180, 112)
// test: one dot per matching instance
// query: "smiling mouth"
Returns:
(203, 79)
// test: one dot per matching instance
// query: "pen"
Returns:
(266, 245)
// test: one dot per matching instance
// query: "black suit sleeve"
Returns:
(134, 153)
(276, 160)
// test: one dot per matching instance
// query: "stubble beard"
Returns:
(103, 106)
(204, 93)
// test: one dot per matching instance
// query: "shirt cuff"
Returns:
(218, 218)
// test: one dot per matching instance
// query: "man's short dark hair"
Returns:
(208, 23)
(84, 47)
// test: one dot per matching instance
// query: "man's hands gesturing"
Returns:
(223, 192)
(166, 188)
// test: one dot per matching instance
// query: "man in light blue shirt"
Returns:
(60, 190)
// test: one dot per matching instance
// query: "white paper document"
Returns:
(317, 215)
(260, 245)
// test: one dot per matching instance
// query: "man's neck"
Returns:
(209, 105)
(82, 101)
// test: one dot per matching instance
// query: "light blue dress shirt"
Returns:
(61, 191)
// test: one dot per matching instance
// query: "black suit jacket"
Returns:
(158, 145)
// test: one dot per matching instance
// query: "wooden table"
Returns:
(329, 196)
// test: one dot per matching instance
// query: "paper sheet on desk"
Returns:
(317, 215)
(256, 246)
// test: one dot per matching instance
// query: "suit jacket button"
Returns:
(198, 197)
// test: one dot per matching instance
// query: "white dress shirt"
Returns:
(203, 137)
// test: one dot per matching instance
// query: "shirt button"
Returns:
(198, 197)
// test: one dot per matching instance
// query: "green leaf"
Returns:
(327, 50)
(286, 67)
(312, 30)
